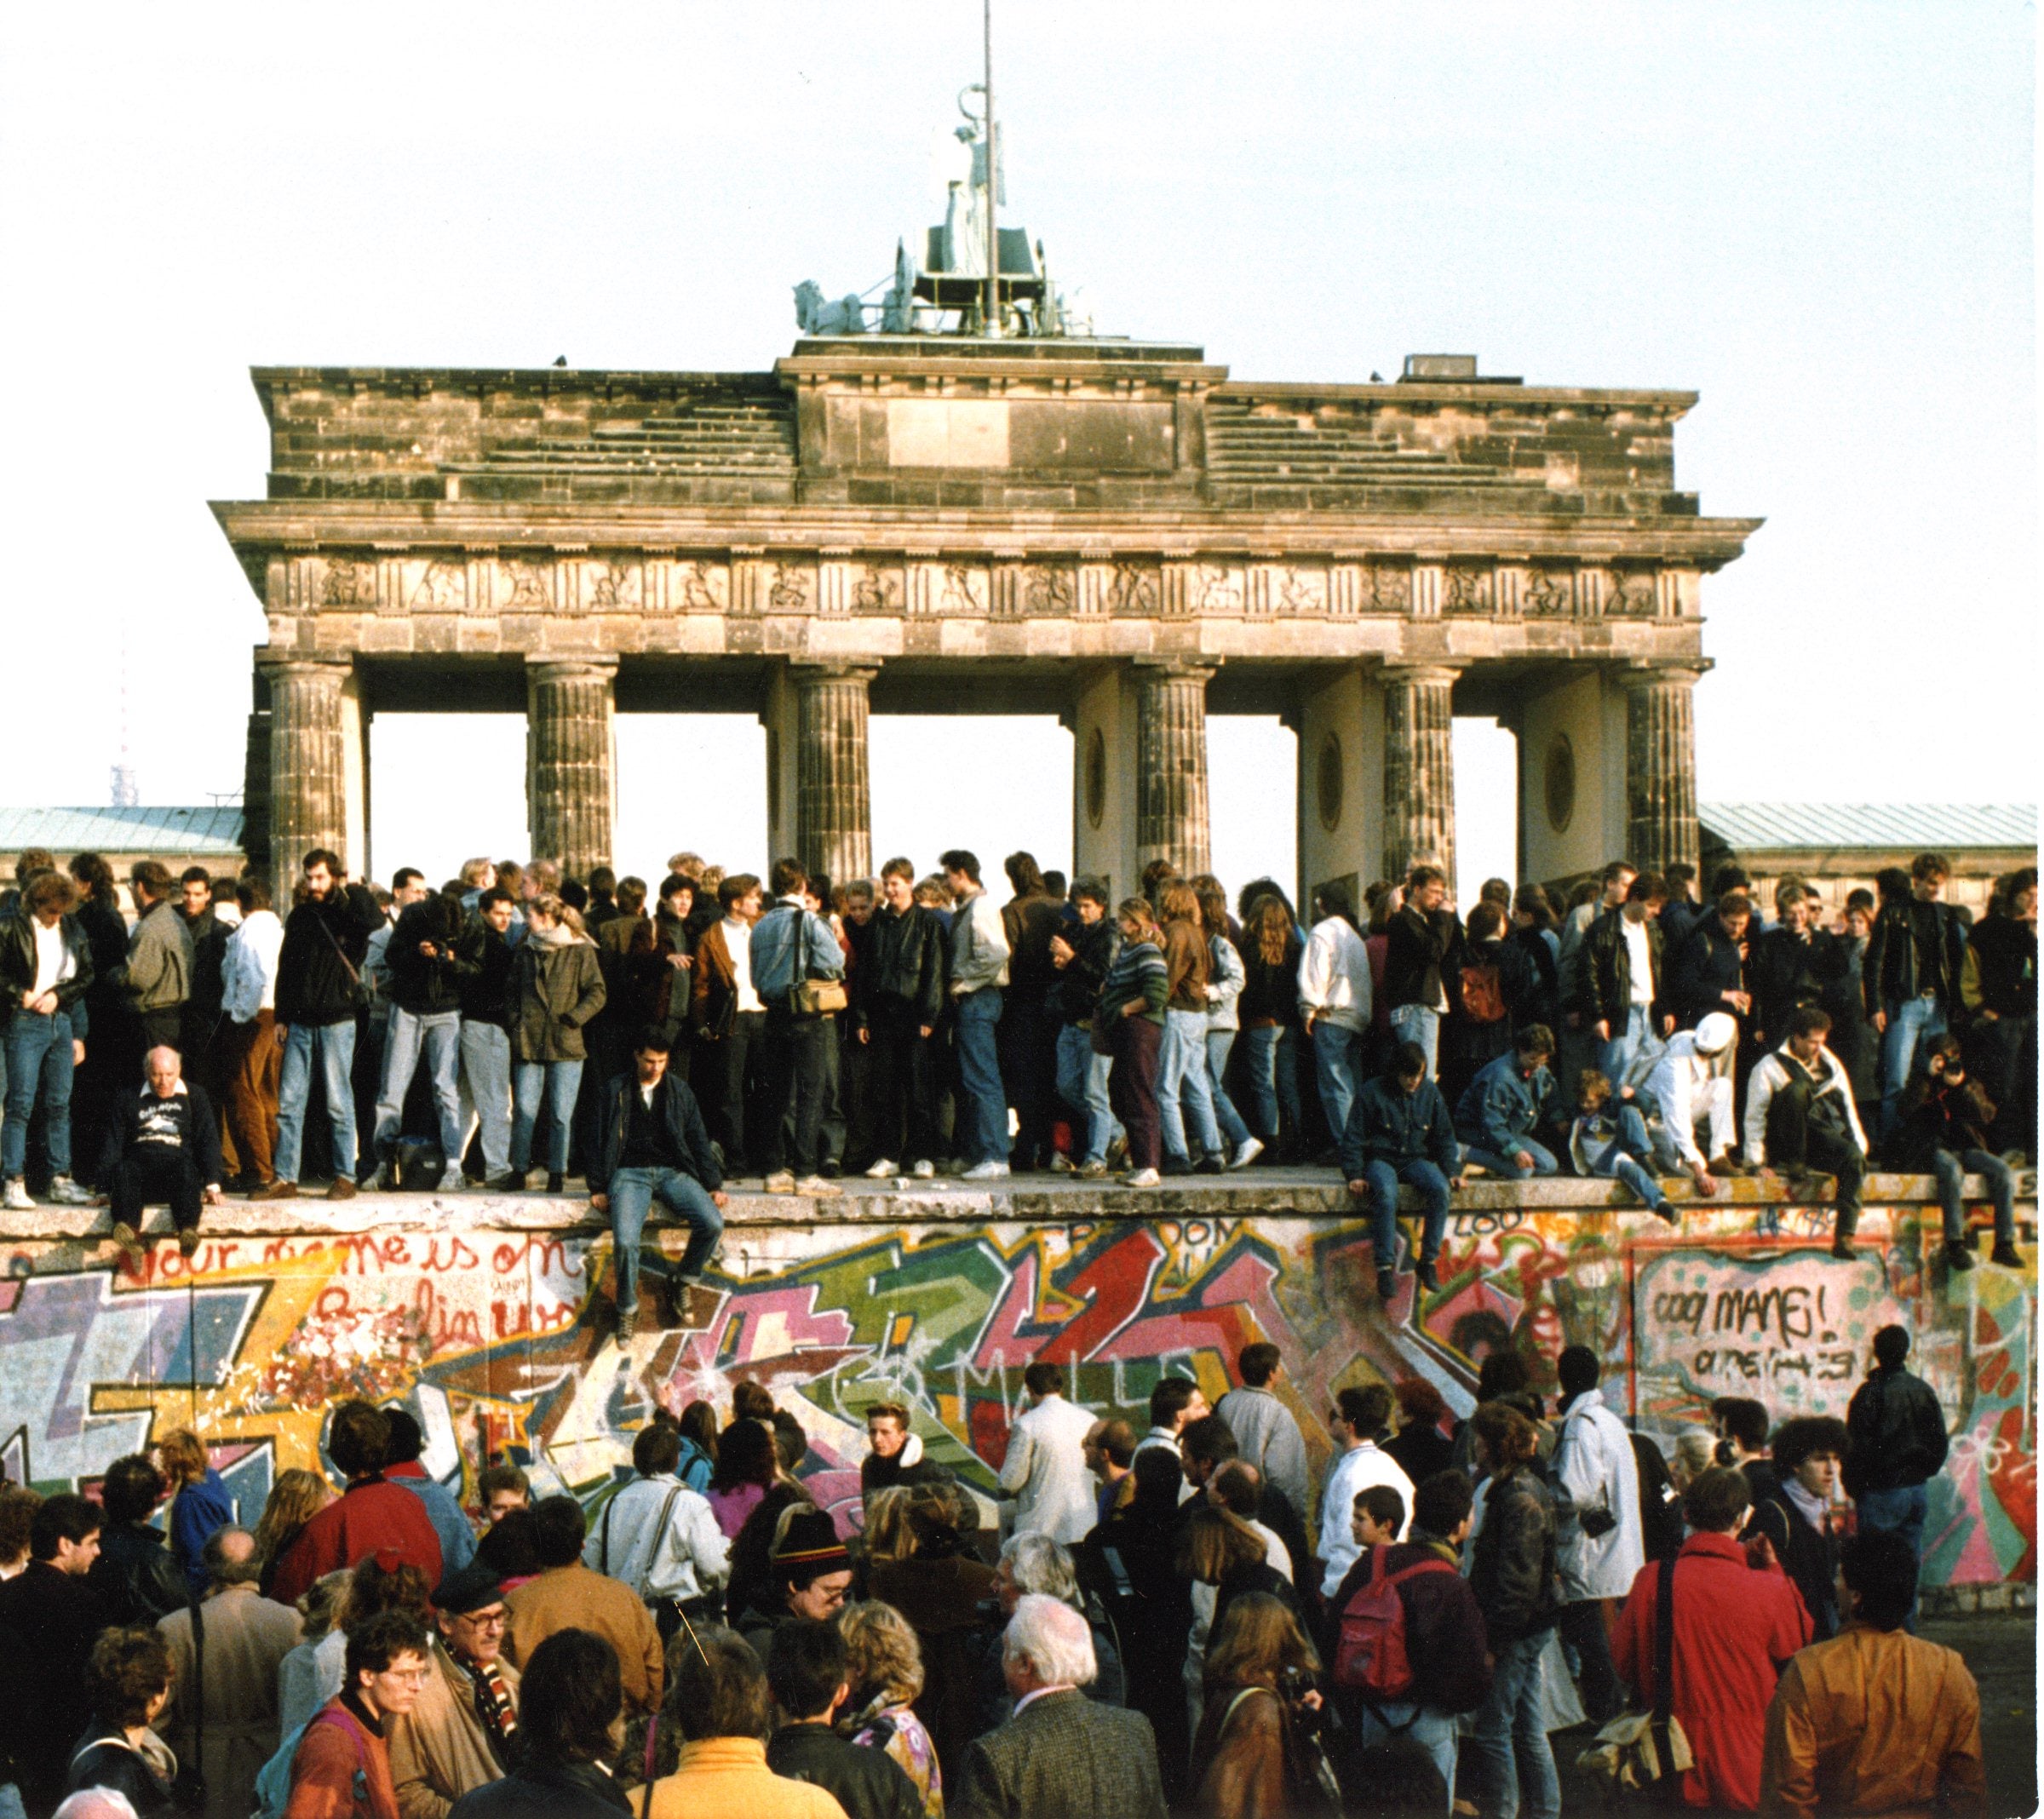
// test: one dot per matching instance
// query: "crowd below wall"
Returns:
(1234, 1634)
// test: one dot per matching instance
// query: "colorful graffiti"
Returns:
(488, 1335)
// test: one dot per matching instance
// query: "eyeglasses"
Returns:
(484, 1620)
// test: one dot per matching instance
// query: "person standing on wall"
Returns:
(1424, 936)
(798, 969)
(45, 971)
(319, 990)
(979, 971)
(1912, 974)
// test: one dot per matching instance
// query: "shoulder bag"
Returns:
(1646, 1753)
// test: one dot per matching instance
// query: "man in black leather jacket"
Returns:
(1898, 1430)
(897, 998)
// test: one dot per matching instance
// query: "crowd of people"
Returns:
(1153, 1623)
(798, 1029)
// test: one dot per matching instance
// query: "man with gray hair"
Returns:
(228, 1672)
(163, 1148)
(1062, 1755)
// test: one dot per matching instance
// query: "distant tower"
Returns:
(123, 791)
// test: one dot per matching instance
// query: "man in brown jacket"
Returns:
(567, 1595)
(463, 1733)
(1874, 1720)
(246, 1638)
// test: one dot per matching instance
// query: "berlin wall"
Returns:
(473, 1311)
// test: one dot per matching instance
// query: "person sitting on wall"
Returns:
(162, 1147)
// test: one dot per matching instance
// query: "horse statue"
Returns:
(814, 315)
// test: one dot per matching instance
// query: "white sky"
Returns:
(1818, 216)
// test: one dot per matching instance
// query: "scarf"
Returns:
(494, 1710)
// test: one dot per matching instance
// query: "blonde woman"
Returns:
(295, 1498)
(885, 1662)
(888, 1539)
(556, 987)
(199, 1502)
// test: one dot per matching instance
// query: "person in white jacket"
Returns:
(1335, 1003)
(1800, 1119)
(250, 1054)
(1600, 1544)
(659, 1536)
(1358, 1417)
(1045, 1470)
(1691, 1085)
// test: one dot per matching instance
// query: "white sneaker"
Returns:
(1141, 1178)
(925, 1170)
(881, 1170)
(985, 1172)
(66, 1192)
(452, 1180)
(1247, 1153)
(817, 1188)
(1060, 1163)
(17, 1200)
(781, 1181)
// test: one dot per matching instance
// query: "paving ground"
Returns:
(2001, 1649)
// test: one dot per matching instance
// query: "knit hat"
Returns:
(808, 1545)
(471, 1587)
(1716, 1033)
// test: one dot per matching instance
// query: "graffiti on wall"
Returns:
(487, 1336)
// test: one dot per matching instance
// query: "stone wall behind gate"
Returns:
(471, 1311)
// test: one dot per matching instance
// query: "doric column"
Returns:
(1419, 769)
(1171, 766)
(1661, 768)
(308, 768)
(569, 792)
(833, 795)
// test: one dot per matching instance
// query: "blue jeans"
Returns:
(1504, 1167)
(632, 1193)
(1337, 1060)
(1511, 1739)
(10, 1802)
(1219, 1044)
(1384, 1178)
(332, 1046)
(1622, 1159)
(1615, 1056)
(1433, 1731)
(39, 1054)
(1083, 1085)
(560, 1081)
(981, 1122)
(1912, 1022)
(1900, 1511)
(1181, 1085)
(1951, 1169)
(438, 1036)
(487, 1080)
(1272, 1072)
(1421, 1024)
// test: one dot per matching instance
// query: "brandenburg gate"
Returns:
(1112, 531)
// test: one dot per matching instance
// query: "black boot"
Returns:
(1428, 1280)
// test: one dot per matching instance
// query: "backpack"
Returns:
(1370, 1656)
(1482, 995)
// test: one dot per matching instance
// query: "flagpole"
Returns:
(993, 183)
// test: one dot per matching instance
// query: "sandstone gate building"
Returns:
(1111, 530)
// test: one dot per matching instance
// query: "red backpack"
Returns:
(1371, 1655)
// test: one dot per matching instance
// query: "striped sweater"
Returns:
(1137, 973)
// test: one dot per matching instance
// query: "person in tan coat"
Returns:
(246, 1639)
(1874, 1720)
(463, 1734)
(567, 1595)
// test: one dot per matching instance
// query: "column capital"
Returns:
(803, 670)
(570, 669)
(294, 665)
(1175, 668)
(1422, 671)
(1674, 675)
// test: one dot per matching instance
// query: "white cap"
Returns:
(1716, 1033)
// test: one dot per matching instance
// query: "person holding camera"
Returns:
(1257, 1748)
(1941, 1129)
(1600, 1538)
